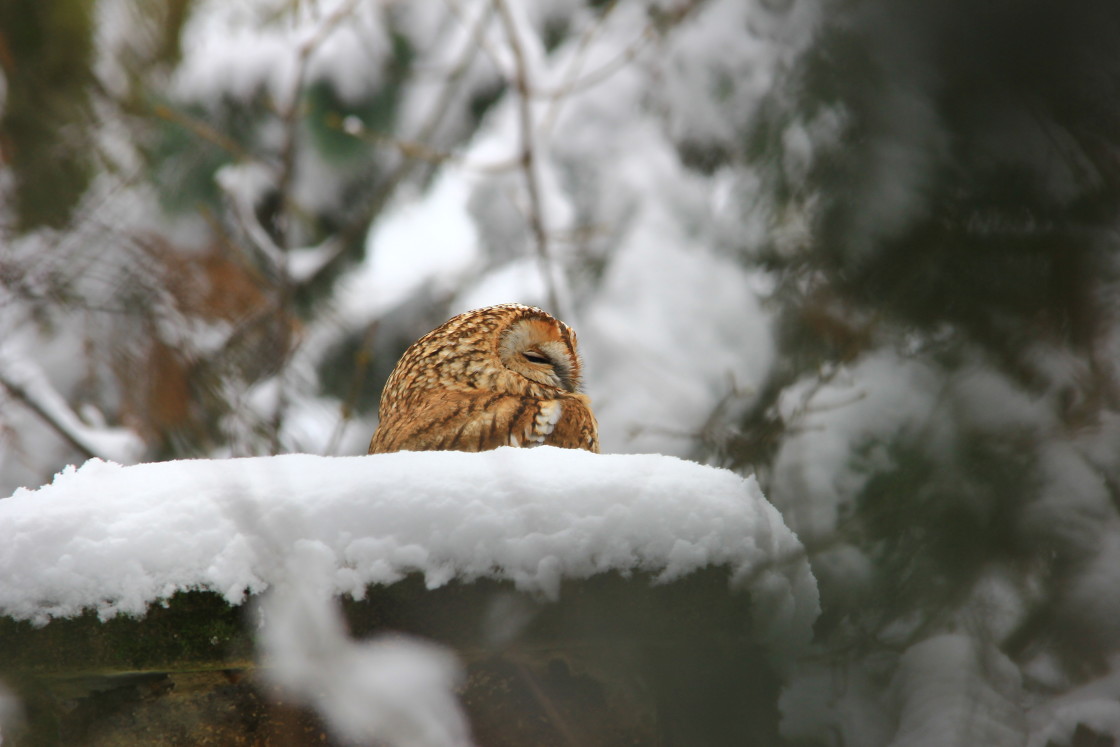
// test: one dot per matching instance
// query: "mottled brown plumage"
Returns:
(505, 375)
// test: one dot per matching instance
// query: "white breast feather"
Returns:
(546, 421)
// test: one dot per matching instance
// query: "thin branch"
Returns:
(416, 150)
(201, 130)
(528, 152)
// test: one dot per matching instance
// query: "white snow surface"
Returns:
(117, 539)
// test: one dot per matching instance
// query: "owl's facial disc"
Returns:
(536, 350)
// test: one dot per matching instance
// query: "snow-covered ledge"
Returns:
(115, 539)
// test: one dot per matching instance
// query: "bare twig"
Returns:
(201, 129)
(528, 155)
(418, 150)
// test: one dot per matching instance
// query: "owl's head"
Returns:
(511, 348)
(539, 347)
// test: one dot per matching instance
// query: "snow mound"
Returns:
(116, 539)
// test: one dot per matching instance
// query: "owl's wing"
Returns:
(479, 421)
(574, 426)
(453, 420)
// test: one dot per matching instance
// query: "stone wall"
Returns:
(616, 661)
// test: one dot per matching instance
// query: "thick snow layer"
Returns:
(117, 539)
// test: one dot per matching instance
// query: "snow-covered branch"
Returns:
(28, 384)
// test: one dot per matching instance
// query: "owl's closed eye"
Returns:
(505, 375)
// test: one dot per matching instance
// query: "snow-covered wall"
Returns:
(117, 539)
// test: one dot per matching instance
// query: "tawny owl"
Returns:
(505, 375)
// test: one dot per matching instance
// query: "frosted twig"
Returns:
(243, 209)
(528, 154)
(27, 384)
(18, 392)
